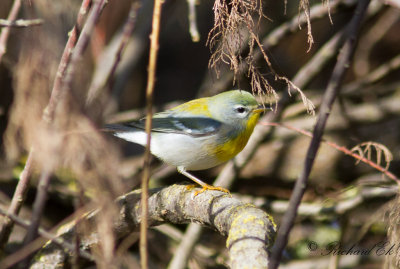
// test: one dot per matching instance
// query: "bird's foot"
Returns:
(210, 187)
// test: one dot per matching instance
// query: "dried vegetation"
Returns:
(274, 48)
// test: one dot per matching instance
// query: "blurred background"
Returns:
(345, 202)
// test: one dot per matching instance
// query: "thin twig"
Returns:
(383, 24)
(126, 35)
(12, 259)
(332, 90)
(375, 75)
(65, 60)
(20, 23)
(5, 32)
(331, 207)
(149, 99)
(107, 72)
(17, 199)
(38, 206)
(340, 148)
(194, 32)
(80, 47)
(24, 178)
(186, 246)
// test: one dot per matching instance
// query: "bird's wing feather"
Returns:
(168, 123)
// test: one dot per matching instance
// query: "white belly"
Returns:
(176, 149)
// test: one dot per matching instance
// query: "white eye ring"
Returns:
(240, 109)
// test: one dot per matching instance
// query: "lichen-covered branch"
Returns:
(250, 230)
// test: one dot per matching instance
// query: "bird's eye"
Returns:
(241, 109)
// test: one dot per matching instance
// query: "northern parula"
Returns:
(199, 134)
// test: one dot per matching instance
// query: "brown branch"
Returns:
(81, 44)
(149, 107)
(186, 246)
(250, 230)
(375, 75)
(340, 148)
(23, 182)
(381, 26)
(332, 90)
(65, 60)
(331, 208)
(108, 71)
(5, 32)
(20, 23)
(38, 207)
(17, 200)
(16, 257)
(194, 32)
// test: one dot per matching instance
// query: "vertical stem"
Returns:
(329, 97)
(38, 207)
(65, 60)
(5, 32)
(149, 98)
(17, 200)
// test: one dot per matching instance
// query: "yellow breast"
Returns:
(233, 146)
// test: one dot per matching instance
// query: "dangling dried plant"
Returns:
(235, 26)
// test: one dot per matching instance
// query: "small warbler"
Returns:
(199, 134)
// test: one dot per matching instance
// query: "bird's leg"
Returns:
(201, 183)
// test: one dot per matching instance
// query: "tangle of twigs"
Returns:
(234, 28)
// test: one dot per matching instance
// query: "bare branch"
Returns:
(360, 157)
(16, 257)
(194, 32)
(20, 23)
(149, 110)
(5, 32)
(250, 230)
(108, 71)
(329, 97)
(348, 200)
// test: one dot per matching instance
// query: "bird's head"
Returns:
(235, 108)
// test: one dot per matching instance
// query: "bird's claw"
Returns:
(209, 187)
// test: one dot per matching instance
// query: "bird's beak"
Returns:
(260, 108)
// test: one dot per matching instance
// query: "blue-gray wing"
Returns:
(193, 126)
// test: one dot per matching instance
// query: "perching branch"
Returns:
(250, 230)
(329, 97)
